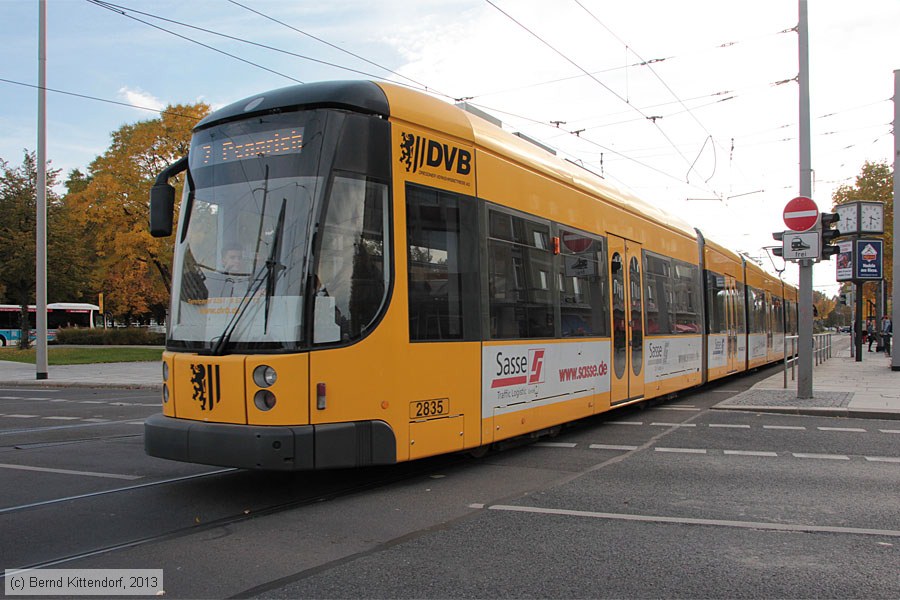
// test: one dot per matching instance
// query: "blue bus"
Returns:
(59, 314)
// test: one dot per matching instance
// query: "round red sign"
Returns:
(801, 214)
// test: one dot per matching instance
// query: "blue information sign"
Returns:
(868, 259)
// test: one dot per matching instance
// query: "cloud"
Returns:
(139, 97)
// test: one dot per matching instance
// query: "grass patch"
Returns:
(83, 356)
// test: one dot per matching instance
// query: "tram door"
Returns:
(627, 372)
(731, 315)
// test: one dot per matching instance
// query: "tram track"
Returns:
(330, 489)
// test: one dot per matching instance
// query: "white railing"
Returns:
(821, 352)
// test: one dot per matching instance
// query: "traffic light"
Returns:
(778, 236)
(829, 233)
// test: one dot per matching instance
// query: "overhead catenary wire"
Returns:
(594, 78)
(106, 100)
(335, 46)
(124, 12)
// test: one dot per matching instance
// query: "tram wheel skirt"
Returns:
(297, 448)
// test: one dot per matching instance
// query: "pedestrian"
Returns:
(870, 332)
(886, 330)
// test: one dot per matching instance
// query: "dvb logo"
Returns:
(417, 151)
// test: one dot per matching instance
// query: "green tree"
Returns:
(875, 182)
(111, 201)
(66, 264)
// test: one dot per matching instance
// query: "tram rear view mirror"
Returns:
(162, 209)
(162, 199)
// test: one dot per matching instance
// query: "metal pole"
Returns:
(804, 356)
(40, 290)
(858, 327)
(895, 286)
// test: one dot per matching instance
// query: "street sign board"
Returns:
(797, 245)
(801, 214)
(867, 259)
(844, 261)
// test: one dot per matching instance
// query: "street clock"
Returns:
(849, 217)
(871, 217)
(860, 217)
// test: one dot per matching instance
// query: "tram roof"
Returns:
(417, 107)
(392, 100)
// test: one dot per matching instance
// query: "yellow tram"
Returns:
(367, 275)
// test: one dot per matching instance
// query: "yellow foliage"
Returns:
(133, 268)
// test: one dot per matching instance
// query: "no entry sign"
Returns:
(801, 214)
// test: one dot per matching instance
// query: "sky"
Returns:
(692, 105)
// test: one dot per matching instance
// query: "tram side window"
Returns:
(757, 310)
(583, 304)
(660, 297)
(441, 230)
(716, 300)
(777, 314)
(740, 313)
(687, 298)
(519, 277)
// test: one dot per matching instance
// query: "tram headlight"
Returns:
(264, 376)
(165, 369)
(264, 400)
(165, 393)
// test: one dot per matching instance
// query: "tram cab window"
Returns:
(442, 263)
(352, 263)
(520, 281)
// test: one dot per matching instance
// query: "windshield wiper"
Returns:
(268, 274)
(273, 267)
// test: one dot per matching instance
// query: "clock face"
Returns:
(872, 218)
(848, 222)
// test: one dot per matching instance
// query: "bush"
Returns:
(127, 336)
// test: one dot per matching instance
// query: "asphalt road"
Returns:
(676, 500)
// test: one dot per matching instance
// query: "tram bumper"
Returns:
(271, 448)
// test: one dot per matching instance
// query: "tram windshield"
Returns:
(245, 265)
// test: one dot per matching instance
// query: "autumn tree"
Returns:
(133, 268)
(875, 182)
(66, 260)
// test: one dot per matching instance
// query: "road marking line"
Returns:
(690, 521)
(822, 456)
(69, 472)
(889, 430)
(96, 420)
(729, 425)
(790, 427)
(682, 450)
(749, 453)
(624, 422)
(675, 424)
(553, 444)
(687, 408)
(612, 447)
(22, 416)
(849, 429)
(62, 418)
(888, 459)
(91, 402)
